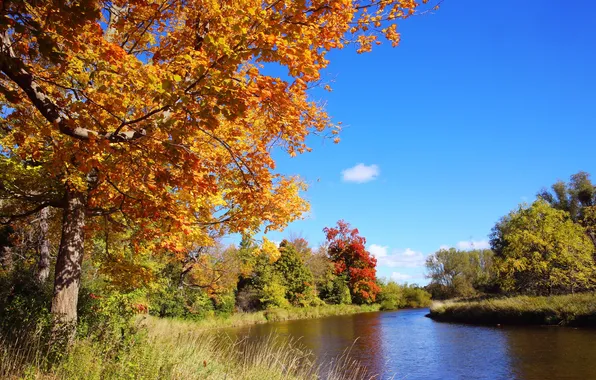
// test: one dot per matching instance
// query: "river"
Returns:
(406, 345)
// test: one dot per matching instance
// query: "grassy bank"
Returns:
(175, 349)
(272, 315)
(565, 310)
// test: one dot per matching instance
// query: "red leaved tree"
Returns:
(347, 251)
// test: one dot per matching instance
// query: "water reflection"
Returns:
(406, 345)
(330, 337)
(553, 353)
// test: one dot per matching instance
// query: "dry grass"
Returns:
(570, 310)
(170, 349)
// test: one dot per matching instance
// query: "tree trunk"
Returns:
(70, 257)
(186, 267)
(43, 268)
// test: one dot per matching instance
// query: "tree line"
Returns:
(209, 280)
(544, 248)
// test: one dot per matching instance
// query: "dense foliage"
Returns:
(394, 296)
(456, 273)
(547, 247)
(540, 250)
(211, 281)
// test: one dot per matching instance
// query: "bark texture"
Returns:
(70, 257)
(43, 267)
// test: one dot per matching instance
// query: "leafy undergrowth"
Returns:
(566, 310)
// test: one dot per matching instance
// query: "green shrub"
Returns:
(416, 297)
(391, 296)
(24, 303)
(274, 295)
(174, 302)
(336, 291)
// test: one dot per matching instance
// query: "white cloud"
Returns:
(378, 250)
(468, 245)
(361, 173)
(407, 258)
(400, 277)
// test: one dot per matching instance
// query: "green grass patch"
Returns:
(269, 315)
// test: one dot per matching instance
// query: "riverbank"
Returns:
(178, 349)
(264, 316)
(564, 310)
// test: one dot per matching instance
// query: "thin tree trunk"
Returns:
(43, 268)
(70, 257)
(5, 248)
(6, 258)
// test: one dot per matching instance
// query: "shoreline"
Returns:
(261, 317)
(572, 310)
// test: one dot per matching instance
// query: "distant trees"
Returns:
(456, 273)
(395, 296)
(346, 249)
(540, 250)
(572, 197)
(545, 248)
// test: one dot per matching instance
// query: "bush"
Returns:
(274, 295)
(174, 302)
(24, 304)
(225, 304)
(416, 296)
(391, 296)
(108, 317)
(248, 300)
(336, 292)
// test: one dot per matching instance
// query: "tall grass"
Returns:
(570, 310)
(169, 349)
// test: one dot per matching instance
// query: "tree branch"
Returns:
(17, 71)
(13, 217)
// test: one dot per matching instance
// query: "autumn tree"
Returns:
(160, 113)
(346, 249)
(540, 250)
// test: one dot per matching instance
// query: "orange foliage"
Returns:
(168, 103)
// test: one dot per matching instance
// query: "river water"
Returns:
(406, 345)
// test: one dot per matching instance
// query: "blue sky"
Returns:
(481, 105)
